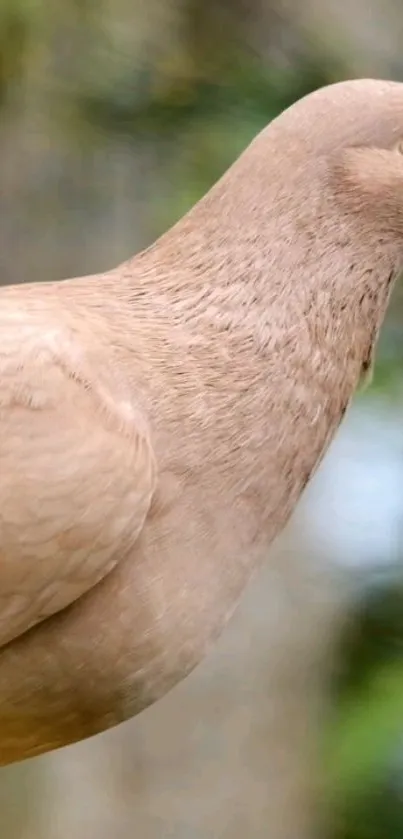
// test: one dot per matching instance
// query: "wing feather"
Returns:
(77, 471)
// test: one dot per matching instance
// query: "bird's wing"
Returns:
(77, 470)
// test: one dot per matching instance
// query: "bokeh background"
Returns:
(115, 116)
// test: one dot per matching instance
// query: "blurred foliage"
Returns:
(164, 104)
(365, 739)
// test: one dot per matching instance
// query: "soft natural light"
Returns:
(355, 503)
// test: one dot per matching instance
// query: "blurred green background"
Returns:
(115, 116)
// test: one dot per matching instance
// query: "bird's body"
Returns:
(159, 422)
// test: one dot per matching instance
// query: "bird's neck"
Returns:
(268, 281)
(275, 317)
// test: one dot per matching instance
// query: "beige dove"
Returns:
(159, 422)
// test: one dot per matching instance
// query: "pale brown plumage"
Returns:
(159, 422)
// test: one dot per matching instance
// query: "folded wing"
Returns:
(76, 467)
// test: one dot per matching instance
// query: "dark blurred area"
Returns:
(115, 117)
